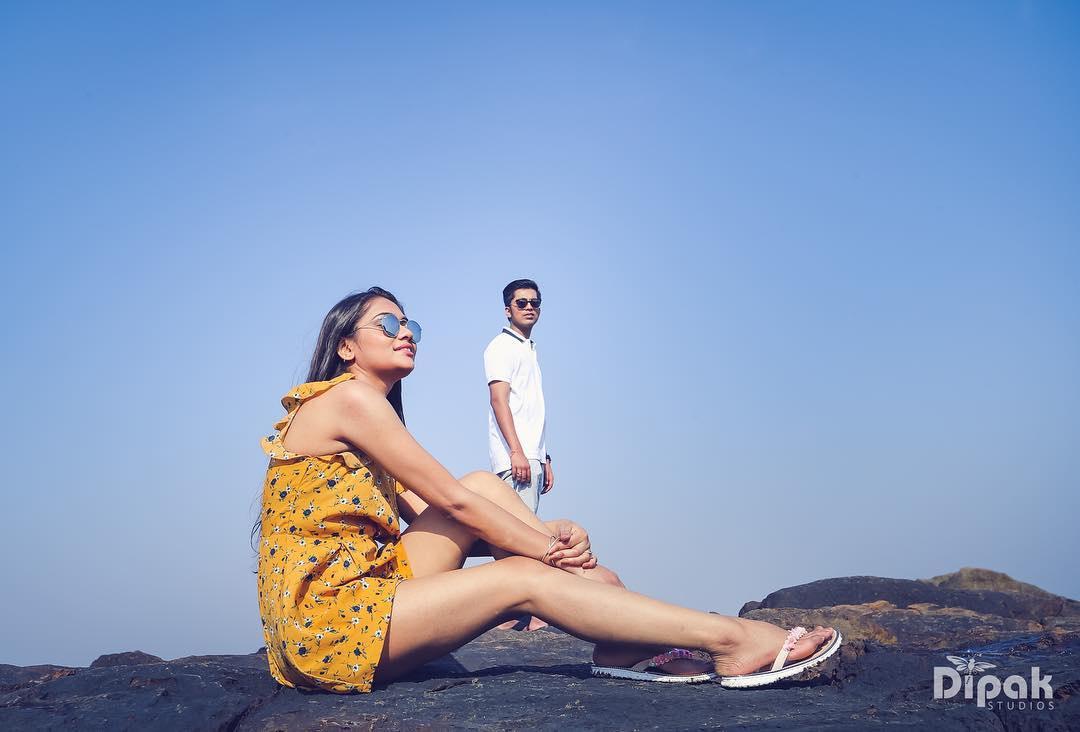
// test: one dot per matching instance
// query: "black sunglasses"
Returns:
(391, 326)
(522, 302)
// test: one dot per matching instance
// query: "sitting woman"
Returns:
(347, 598)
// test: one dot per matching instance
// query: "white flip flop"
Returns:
(640, 671)
(779, 670)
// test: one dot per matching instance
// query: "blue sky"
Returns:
(809, 273)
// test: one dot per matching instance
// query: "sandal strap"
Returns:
(793, 637)
(660, 659)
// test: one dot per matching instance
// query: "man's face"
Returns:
(524, 317)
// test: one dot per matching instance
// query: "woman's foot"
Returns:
(525, 622)
(758, 645)
(515, 624)
(536, 623)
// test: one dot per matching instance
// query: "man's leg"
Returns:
(529, 492)
(536, 487)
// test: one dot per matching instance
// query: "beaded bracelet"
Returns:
(554, 541)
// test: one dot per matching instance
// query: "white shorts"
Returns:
(529, 492)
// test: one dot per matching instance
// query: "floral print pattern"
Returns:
(329, 560)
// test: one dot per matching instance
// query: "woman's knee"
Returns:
(486, 483)
(525, 573)
(600, 573)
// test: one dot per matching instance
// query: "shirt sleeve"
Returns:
(498, 362)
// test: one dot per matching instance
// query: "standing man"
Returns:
(517, 440)
(517, 435)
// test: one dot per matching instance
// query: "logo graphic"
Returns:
(969, 666)
(1036, 696)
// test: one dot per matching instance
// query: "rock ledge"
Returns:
(897, 631)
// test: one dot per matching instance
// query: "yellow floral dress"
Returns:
(329, 560)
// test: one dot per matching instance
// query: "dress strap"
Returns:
(274, 445)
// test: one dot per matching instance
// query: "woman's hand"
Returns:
(573, 550)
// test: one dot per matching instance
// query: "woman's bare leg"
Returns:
(435, 543)
(434, 615)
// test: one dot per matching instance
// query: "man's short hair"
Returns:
(509, 290)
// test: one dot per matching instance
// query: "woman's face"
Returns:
(372, 349)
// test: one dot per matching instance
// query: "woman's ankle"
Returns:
(727, 637)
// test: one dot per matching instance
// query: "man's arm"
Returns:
(500, 405)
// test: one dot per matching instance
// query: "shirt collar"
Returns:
(516, 336)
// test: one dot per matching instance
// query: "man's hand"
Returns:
(519, 467)
(573, 551)
(549, 478)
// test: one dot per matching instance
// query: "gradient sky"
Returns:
(809, 274)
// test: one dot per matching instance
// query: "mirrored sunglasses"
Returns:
(391, 326)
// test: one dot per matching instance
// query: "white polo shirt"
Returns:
(512, 358)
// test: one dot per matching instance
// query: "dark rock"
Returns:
(905, 593)
(747, 607)
(14, 677)
(507, 680)
(128, 658)
(197, 694)
(972, 578)
(918, 626)
(938, 613)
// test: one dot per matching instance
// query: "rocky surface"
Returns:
(898, 633)
(965, 608)
(129, 658)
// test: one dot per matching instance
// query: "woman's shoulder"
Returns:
(355, 395)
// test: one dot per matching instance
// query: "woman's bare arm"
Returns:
(362, 417)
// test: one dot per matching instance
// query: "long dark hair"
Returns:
(326, 364)
(339, 323)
